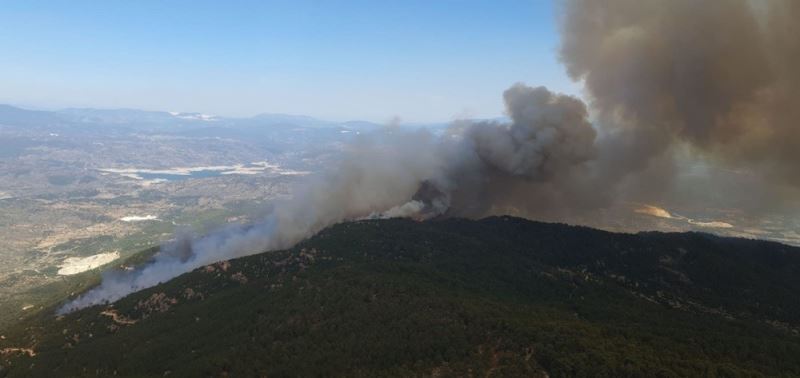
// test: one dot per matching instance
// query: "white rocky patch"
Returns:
(75, 265)
(237, 169)
(138, 218)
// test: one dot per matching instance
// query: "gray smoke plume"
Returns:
(393, 173)
(720, 76)
(375, 174)
(668, 81)
(534, 165)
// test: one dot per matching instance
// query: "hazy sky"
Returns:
(374, 60)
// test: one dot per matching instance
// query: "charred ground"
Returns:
(503, 296)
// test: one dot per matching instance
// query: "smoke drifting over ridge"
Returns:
(392, 173)
(717, 79)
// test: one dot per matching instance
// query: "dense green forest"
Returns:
(497, 297)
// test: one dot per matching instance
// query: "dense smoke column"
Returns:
(711, 74)
(532, 166)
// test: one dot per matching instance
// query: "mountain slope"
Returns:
(500, 296)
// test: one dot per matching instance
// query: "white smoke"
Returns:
(376, 173)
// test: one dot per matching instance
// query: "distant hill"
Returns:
(13, 116)
(145, 120)
(290, 120)
(496, 297)
(152, 120)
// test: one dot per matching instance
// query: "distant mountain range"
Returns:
(497, 297)
(150, 120)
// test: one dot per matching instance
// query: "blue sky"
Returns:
(418, 60)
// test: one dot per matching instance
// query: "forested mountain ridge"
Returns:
(501, 296)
